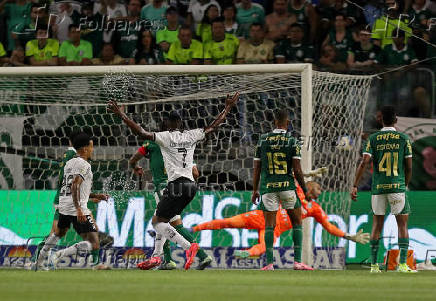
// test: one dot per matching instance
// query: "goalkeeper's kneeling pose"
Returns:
(255, 220)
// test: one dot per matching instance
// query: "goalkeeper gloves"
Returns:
(359, 237)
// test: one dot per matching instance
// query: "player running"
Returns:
(73, 198)
(177, 147)
(255, 220)
(391, 154)
(152, 151)
(277, 155)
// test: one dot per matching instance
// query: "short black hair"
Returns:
(174, 116)
(389, 115)
(171, 9)
(340, 15)
(296, 25)
(281, 115)
(219, 19)
(257, 24)
(73, 26)
(81, 140)
(185, 27)
(73, 135)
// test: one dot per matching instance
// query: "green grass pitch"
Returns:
(213, 285)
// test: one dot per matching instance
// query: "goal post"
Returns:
(44, 104)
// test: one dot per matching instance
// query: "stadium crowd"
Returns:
(336, 35)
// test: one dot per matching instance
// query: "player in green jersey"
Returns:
(151, 150)
(391, 154)
(277, 155)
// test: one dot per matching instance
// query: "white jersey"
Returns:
(75, 167)
(178, 151)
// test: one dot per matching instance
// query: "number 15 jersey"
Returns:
(275, 151)
(75, 167)
(178, 151)
(388, 149)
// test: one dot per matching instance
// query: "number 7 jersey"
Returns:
(388, 149)
(275, 151)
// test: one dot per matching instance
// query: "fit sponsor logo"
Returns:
(277, 184)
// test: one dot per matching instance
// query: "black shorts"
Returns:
(178, 194)
(66, 220)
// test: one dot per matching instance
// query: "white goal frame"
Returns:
(306, 99)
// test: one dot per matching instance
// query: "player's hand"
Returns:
(115, 108)
(354, 194)
(81, 218)
(232, 100)
(255, 197)
(137, 170)
(359, 237)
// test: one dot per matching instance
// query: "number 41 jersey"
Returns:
(388, 149)
(75, 167)
(275, 151)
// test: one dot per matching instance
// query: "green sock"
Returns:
(297, 238)
(374, 250)
(167, 251)
(188, 236)
(95, 256)
(403, 244)
(269, 244)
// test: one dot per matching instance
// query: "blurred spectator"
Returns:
(74, 51)
(293, 49)
(397, 53)
(248, 13)
(165, 37)
(256, 50)
(154, 14)
(23, 34)
(3, 58)
(197, 9)
(108, 57)
(223, 48)
(364, 53)
(420, 19)
(329, 59)
(126, 37)
(340, 37)
(204, 31)
(278, 22)
(42, 51)
(113, 11)
(372, 11)
(306, 17)
(67, 16)
(351, 12)
(384, 26)
(148, 53)
(186, 50)
(91, 26)
(229, 14)
(420, 14)
(17, 15)
(17, 58)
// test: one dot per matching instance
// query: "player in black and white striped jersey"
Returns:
(177, 147)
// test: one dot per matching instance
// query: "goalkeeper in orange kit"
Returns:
(255, 220)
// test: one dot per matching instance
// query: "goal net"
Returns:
(40, 107)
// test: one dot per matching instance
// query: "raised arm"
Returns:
(230, 102)
(136, 128)
(133, 163)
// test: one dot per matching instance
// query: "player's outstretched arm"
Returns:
(359, 173)
(230, 103)
(75, 193)
(97, 197)
(136, 128)
(133, 161)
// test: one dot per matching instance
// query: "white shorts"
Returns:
(157, 199)
(397, 202)
(271, 201)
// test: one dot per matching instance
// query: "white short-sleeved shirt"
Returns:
(178, 151)
(75, 167)
(197, 9)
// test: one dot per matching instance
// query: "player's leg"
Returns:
(270, 206)
(236, 221)
(62, 227)
(161, 244)
(53, 229)
(401, 209)
(292, 204)
(378, 204)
